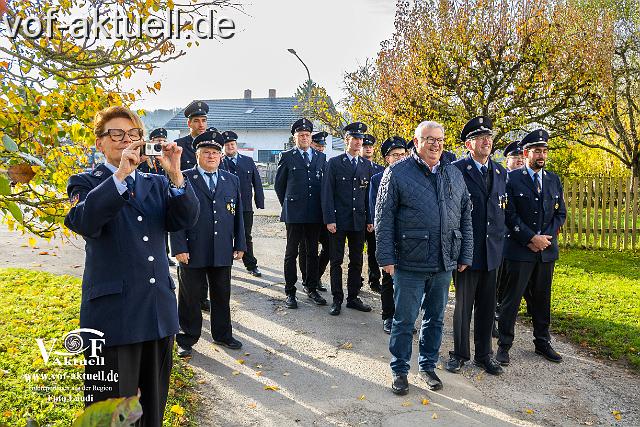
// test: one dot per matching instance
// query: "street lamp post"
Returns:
(293, 52)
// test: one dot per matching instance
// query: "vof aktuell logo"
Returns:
(74, 344)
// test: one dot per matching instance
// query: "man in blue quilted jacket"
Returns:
(423, 232)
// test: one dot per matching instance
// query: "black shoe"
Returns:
(548, 353)
(205, 305)
(375, 287)
(454, 364)
(255, 271)
(432, 380)
(233, 343)
(321, 287)
(184, 351)
(316, 298)
(357, 304)
(400, 384)
(171, 262)
(335, 309)
(291, 302)
(494, 330)
(489, 365)
(502, 356)
(386, 325)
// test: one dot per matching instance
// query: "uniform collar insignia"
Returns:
(97, 173)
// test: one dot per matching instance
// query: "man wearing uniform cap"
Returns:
(250, 183)
(152, 165)
(196, 114)
(535, 212)
(206, 251)
(514, 160)
(475, 287)
(393, 149)
(367, 152)
(298, 182)
(346, 213)
(318, 143)
(513, 153)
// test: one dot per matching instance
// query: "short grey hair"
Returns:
(429, 125)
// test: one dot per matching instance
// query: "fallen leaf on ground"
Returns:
(272, 387)
(434, 416)
(258, 373)
(346, 346)
(235, 373)
(252, 405)
(286, 374)
(406, 403)
(425, 401)
(32, 242)
(362, 397)
(247, 354)
(616, 415)
(202, 381)
(529, 411)
(177, 409)
(240, 361)
(259, 366)
(43, 253)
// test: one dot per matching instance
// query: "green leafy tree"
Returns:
(52, 86)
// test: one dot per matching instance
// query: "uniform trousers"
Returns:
(323, 258)
(248, 259)
(386, 296)
(337, 240)
(295, 234)
(374, 268)
(191, 282)
(144, 367)
(475, 293)
(520, 275)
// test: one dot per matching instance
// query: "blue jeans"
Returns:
(412, 290)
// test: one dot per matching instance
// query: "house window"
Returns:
(268, 156)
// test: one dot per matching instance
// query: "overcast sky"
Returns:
(331, 36)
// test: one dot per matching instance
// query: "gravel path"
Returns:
(304, 367)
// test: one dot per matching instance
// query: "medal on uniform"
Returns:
(557, 205)
(231, 207)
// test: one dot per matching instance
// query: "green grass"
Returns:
(42, 305)
(596, 302)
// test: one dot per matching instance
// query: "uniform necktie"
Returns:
(212, 183)
(233, 167)
(305, 155)
(130, 183)
(485, 176)
(537, 182)
(354, 164)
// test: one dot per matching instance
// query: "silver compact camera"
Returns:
(151, 149)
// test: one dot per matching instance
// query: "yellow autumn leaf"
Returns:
(32, 242)
(177, 409)
(425, 401)
(258, 373)
(616, 415)
(240, 361)
(252, 405)
(272, 387)
(362, 397)
(127, 74)
(157, 85)
(346, 346)
(406, 403)
(434, 416)
(529, 411)
(170, 4)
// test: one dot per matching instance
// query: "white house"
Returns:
(263, 125)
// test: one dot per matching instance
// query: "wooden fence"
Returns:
(601, 213)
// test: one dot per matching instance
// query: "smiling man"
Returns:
(423, 232)
(476, 286)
